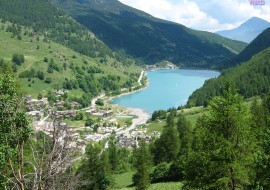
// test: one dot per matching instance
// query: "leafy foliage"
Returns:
(18, 59)
(14, 130)
(160, 173)
(95, 169)
(260, 122)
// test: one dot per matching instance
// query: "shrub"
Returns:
(48, 80)
(18, 59)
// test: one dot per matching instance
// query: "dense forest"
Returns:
(251, 79)
(148, 39)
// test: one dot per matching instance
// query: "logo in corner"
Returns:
(257, 2)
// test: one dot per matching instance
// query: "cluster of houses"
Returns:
(169, 65)
(96, 112)
(128, 139)
(97, 137)
(65, 114)
(131, 139)
(74, 137)
(60, 92)
(35, 104)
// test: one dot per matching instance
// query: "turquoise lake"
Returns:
(167, 89)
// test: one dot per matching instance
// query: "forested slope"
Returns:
(257, 45)
(251, 78)
(147, 38)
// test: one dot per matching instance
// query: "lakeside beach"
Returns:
(141, 115)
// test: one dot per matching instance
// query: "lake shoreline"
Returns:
(165, 89)
(141, 114)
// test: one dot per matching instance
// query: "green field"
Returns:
(192, 115)
(124, 182)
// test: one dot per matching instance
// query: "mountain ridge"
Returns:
(261, 42)
(147, 38)
(247, 31)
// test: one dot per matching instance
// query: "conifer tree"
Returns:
(95, 169)
(221, 157)
(113, 155)
(184, 129)
(142, 164)
(261, 124)
(166, 148)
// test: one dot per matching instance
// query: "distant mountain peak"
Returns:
(247, 31)
(255, 23)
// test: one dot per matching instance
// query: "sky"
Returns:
(210, 15)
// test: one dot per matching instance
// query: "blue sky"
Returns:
(210, 15)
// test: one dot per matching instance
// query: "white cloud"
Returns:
(211, 15)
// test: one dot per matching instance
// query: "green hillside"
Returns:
(149, 39)
(59, 53)
(72, 71)
(251, 78)
(47, 20)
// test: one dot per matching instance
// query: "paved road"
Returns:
(140, 78)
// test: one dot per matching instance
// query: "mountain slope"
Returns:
(66, 69)
(59, 53)
(257, 45)
(147, 38)
(251, 78)
(247, 31)
(48, 20)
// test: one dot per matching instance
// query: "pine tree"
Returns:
(113, 155)
(261, 124)
(184, 129)
(221, 157)
(142, 164)
(166, 148)
(95, 169)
